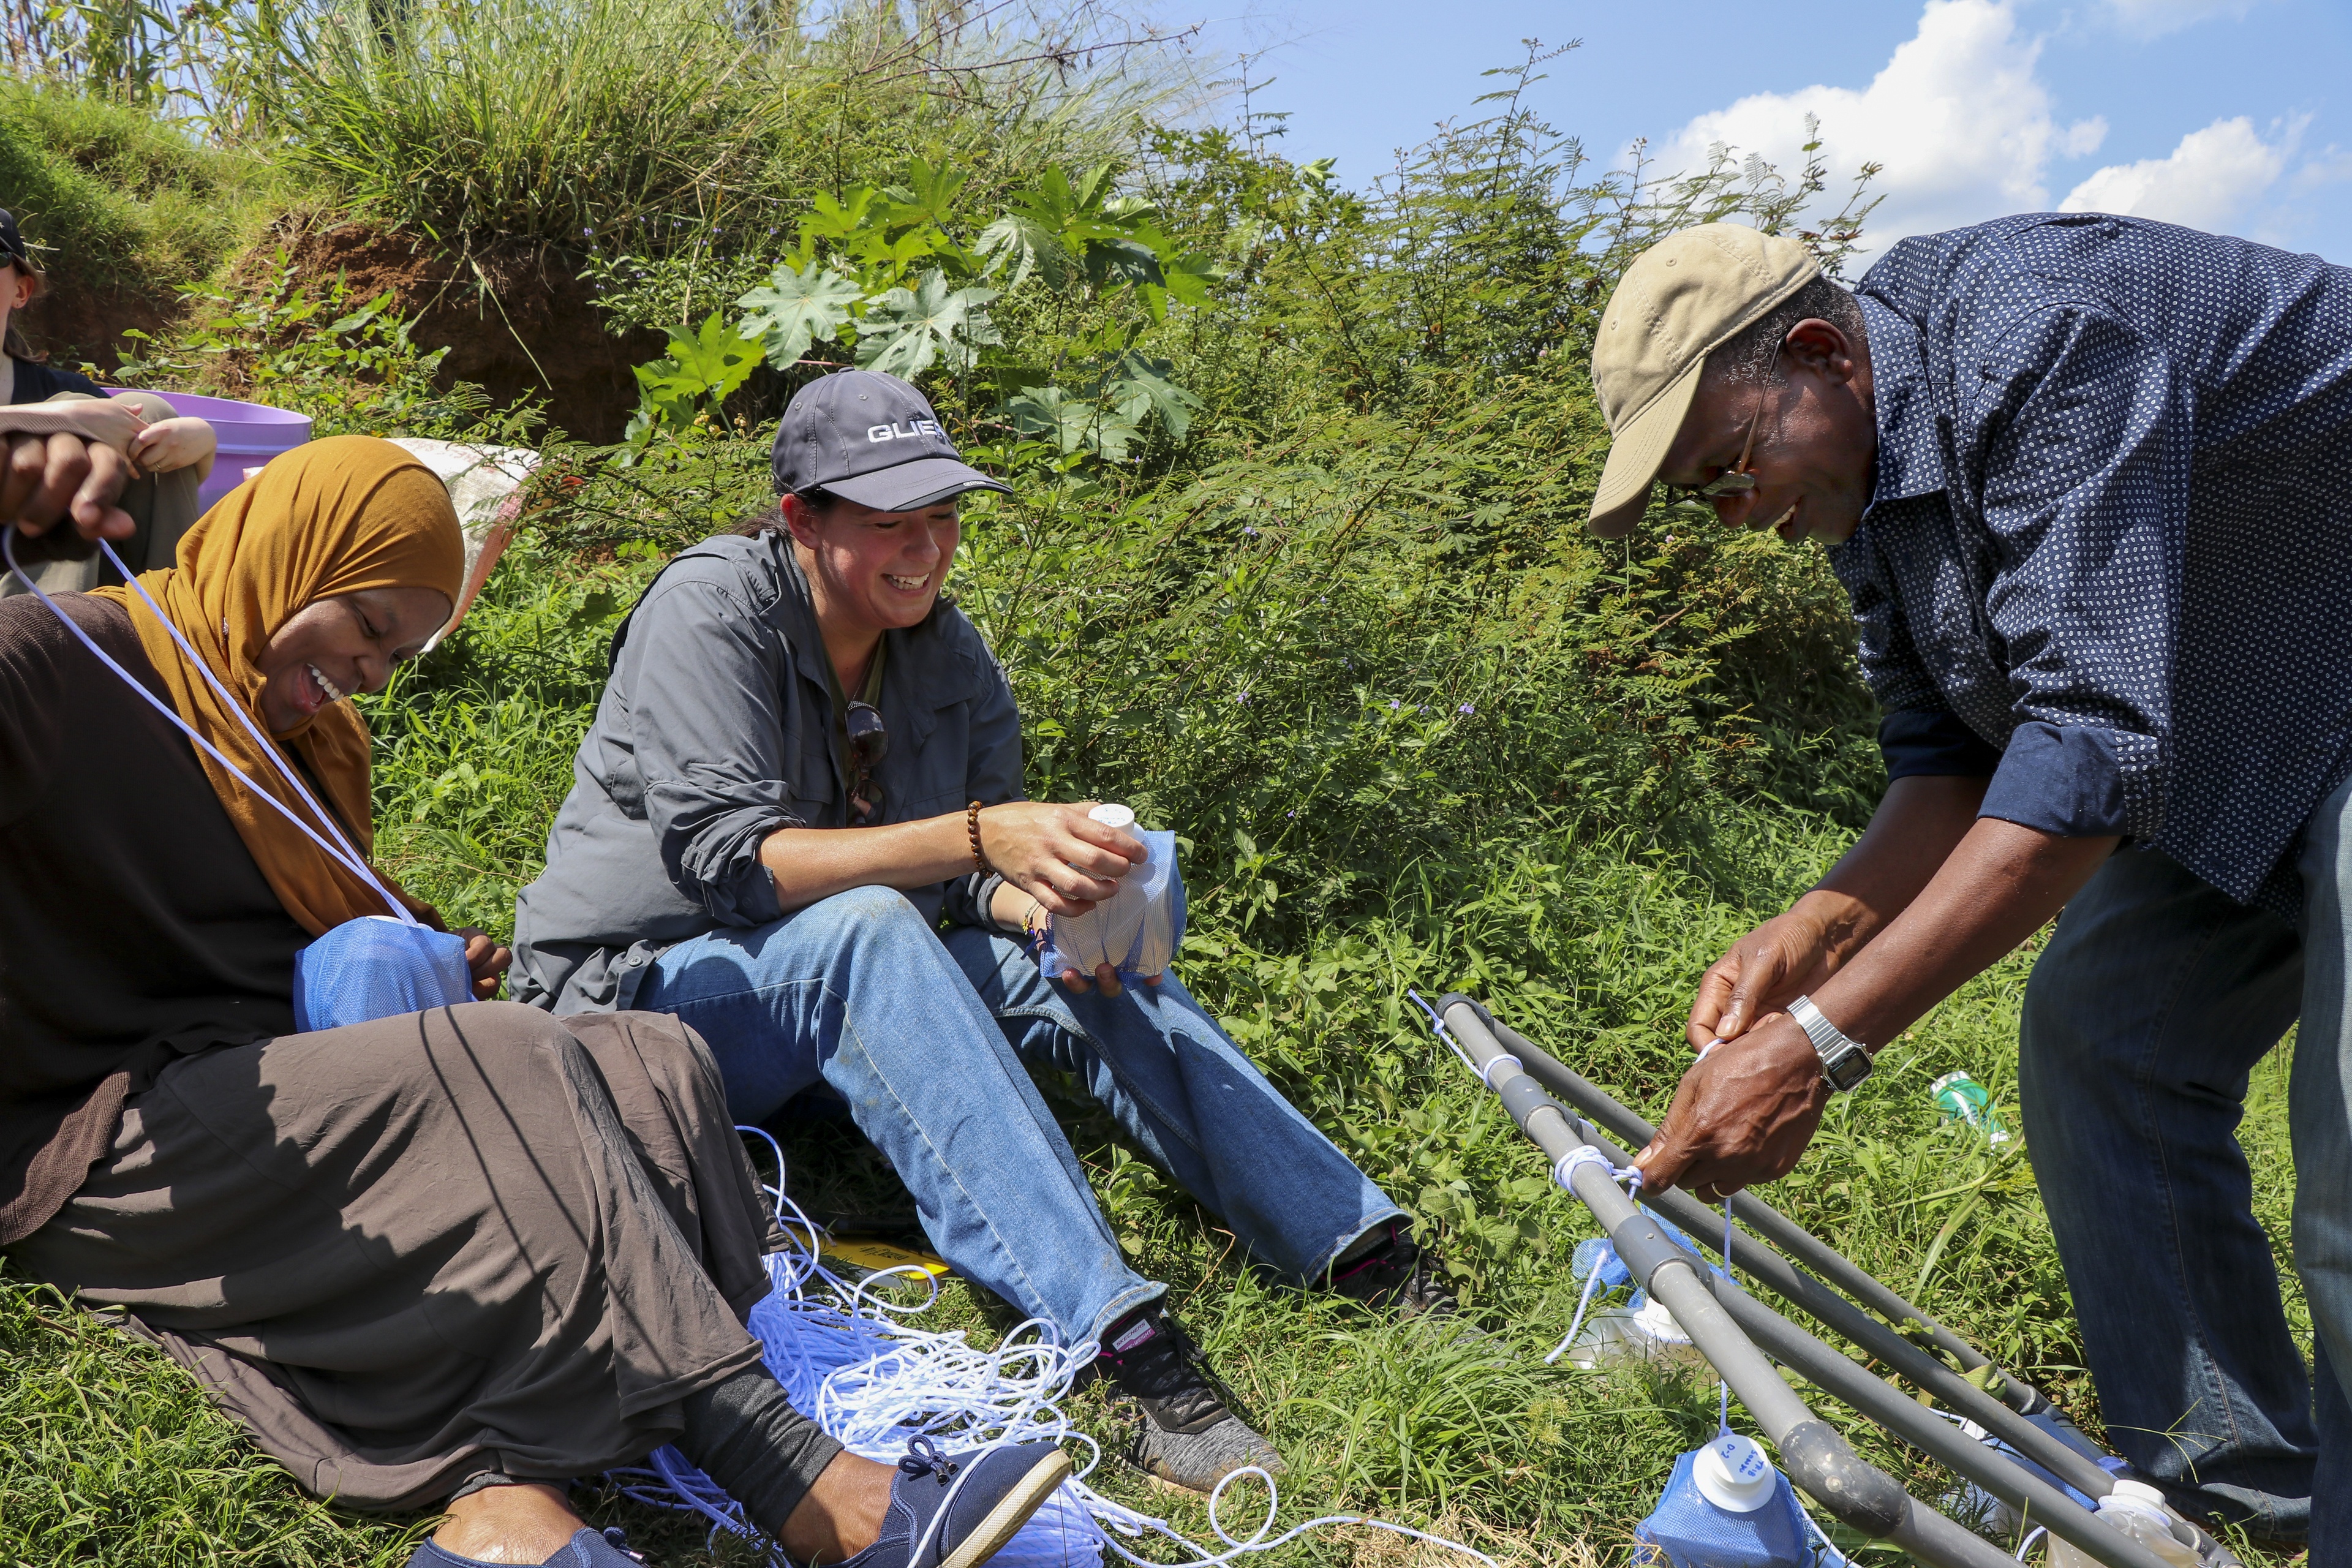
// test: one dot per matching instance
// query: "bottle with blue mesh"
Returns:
(1725, 1507)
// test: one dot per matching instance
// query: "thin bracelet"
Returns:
(971, 825)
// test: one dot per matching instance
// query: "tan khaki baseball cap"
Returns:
(1683, 299)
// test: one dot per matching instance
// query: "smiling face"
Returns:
(871, 572)
(1816, 441)
(337, 647)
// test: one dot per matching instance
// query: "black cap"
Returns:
(873, 438)
(14, 243)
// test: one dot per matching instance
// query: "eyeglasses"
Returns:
(1733, 481)
(868, 743)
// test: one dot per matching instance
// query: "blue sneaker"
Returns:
(586, 1549)
(958, 1511)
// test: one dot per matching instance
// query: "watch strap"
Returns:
(1845, 1061)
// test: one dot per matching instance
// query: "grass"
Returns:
(123, 200)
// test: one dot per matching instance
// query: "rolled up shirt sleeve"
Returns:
(1932, 742)
(2086, 491)
(709, 718)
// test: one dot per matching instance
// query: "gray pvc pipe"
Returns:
(1754, 1211)
(1815, 1455)
(1908, 1359)
(1995, 1416)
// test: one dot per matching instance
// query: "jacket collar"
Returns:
(924, 673)
(1910, 432)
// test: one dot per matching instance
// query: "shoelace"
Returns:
(925, 1457)
(1161, 1369)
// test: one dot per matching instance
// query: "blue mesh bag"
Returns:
(1688, 1530)
(377, 967)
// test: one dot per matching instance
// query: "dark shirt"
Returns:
(2103, 561)
(133, 924)
(717, 729)
(40, 383)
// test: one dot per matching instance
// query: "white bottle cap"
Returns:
(1113, 816)
(1733, 1474)
(2137, 1491)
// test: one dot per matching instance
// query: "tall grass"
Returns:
(535, 120)
(120, 199)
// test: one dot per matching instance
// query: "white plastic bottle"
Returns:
(2136, 1510)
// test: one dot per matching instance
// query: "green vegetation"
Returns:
(1340, 627)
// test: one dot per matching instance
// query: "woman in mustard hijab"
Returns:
(459, 1255)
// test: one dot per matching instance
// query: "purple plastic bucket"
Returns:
(249, 434)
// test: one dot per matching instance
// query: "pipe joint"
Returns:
(1856, 1491)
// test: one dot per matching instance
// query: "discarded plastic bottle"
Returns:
(2136, 1510)
(1725, 1507)
(1962, 1099)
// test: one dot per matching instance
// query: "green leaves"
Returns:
(888, 274)
(797, 307)
(708, 365)
(906, 329)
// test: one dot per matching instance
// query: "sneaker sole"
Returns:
(1012, 1511)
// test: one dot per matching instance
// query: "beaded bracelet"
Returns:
(971, 825)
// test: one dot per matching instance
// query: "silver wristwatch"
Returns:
(1844, 1062)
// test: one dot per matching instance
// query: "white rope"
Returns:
(1586, 1154)
(849, 1362)
(1487, 1073)
(1592, 1280)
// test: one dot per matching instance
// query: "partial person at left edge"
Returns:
(172, 454)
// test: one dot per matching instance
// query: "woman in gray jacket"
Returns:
(751, 848)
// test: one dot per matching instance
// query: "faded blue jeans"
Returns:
(2143, 1019)
(929, 1037)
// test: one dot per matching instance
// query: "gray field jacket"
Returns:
(716, 730)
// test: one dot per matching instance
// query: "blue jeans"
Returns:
(926, 1035)
(2145, 1016)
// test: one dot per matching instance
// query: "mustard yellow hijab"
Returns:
(335, 517)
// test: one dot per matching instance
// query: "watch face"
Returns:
(1850, 1067)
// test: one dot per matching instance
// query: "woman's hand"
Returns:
(1058, 854)
(1771, 966)
(485, 960)
(106, 420)
(1106, 976)
(169, 445)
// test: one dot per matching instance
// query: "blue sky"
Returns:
(2231, 115)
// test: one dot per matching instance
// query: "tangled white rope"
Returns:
(846, 1359)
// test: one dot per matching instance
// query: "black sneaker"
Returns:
(1397, 1274)
(1187, 1433)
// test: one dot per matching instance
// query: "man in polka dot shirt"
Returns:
(2080, 475)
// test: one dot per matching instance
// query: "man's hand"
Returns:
(1744, 1113)
(1058, 854)
(485, 960)
(1766, 970)
(47, 479)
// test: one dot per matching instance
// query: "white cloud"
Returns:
(2213, 180)
(2153, 18)
(1962, 124)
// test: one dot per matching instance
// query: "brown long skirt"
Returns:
(410, 1251)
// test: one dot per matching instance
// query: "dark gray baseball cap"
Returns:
(874, 438)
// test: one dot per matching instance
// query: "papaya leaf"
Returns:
(797, 308)
(1027, 243)
(905, 331)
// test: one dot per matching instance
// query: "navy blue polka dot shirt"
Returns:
(2106, 561)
